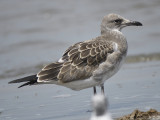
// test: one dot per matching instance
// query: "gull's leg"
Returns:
(102, 88)
(94, 90)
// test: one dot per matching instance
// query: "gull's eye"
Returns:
(118, 21)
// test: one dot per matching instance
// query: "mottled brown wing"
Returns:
(73, 47)
(83, 58)
(49, 72)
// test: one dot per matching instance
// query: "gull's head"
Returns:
(116, 22)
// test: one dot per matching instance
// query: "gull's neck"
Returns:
(115, 36)
(105, 30)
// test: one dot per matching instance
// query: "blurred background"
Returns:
(36, 32)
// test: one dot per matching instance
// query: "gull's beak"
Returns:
(133, 23)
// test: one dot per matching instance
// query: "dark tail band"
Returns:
(30, 80)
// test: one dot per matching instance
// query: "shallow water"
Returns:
(37, 32)
(136, 86)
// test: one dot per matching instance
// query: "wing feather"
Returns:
(48, 77)
(84, 53)
(49, 72)
(87, 56)
(52, 65)
(79, 61)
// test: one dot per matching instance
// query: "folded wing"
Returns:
(78, 62)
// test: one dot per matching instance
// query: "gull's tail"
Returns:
(30, 80)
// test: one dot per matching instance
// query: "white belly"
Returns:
(81, 84)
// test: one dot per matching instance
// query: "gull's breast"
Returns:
(110, 67)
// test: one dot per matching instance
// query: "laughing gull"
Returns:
(89, 63)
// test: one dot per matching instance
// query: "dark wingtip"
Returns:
(25, 84)
(28, 83)
(30, 80)
(11, 82)
(16, 82)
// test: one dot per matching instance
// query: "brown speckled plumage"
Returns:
(80, 60)
(89, 63)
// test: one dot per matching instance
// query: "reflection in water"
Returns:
(100, 106)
